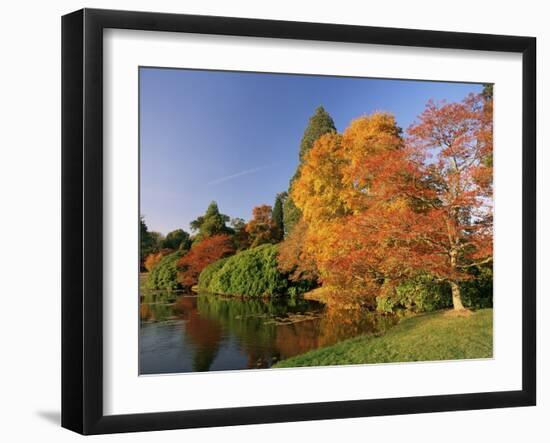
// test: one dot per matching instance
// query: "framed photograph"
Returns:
(269, 221)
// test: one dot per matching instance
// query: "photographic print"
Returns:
(291, 220)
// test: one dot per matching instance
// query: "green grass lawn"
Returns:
(434, 336)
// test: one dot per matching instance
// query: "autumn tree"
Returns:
(319, 123)
(211, 223)
(340, 178)
(458, 136)
(261, 228)
(319, 190)
(201, 255)
(316, 192)
(293, 258)
(380, 211)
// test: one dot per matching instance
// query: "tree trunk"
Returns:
(457, 300)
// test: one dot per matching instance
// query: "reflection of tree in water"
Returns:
(205, 333)
(246, 320)
(297, 338)
(266, 330)
(145, 313)
(340, 324)
(155, 312)
(333, 326)
(156, 306)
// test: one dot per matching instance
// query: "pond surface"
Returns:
(211, 333)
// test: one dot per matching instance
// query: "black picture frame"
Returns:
(82, 218)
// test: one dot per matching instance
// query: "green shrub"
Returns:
(252, 272)
(297, 288)
(478, 292)
(207, 273)
(420, 294)
(425, 294)
(164, 274)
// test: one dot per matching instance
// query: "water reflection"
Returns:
(207, 333)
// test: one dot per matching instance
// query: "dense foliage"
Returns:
(420, 294)
(261, 228)
(253, 272)
(208, 273)
(154, 246)
(154, 258)
(477, 292)
(294, 259)
(163, 276)
(177, 239)
(241, 239)
(201, 255)
(425, 293)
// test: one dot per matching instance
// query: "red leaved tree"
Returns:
(201, 255)
(261, 228)
(380, 210)
(455, 142)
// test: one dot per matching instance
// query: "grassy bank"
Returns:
(435, 336)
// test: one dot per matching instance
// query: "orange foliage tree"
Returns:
(262, 228)
(293, 258)
(380, 210)
(154, 258)
(340, 178)
(201, 255)
(456, 142)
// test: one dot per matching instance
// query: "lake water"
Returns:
(211, 333)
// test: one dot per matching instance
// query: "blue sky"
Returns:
(234, 137)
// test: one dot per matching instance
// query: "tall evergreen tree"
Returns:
(319, 124)
(278, 218)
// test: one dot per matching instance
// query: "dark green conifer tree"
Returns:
(277, 214)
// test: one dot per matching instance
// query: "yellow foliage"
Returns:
(335, 182)
(318, 189)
